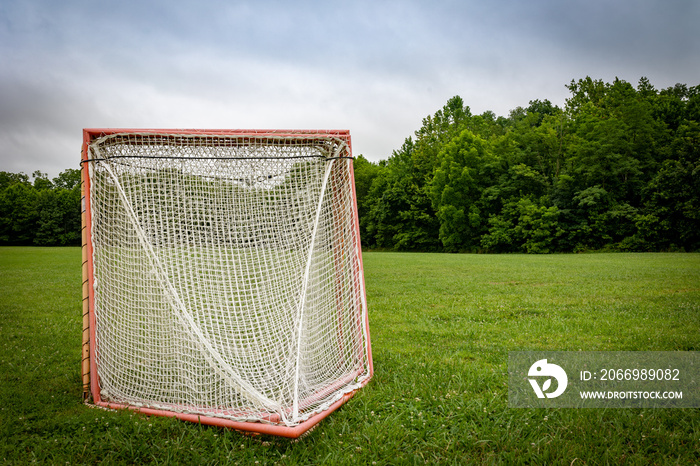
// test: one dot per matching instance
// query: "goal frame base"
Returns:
(242, 426)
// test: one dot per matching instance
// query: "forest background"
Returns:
(618, 168)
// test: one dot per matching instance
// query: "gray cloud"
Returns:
(374, 67)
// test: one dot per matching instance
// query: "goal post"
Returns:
(222, 276)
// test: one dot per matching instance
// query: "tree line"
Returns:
(41, 211)
(618, 168)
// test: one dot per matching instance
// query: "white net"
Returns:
(227, 274)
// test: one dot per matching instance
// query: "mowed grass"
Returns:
(442, 326)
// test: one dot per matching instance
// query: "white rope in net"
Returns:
(226, 274)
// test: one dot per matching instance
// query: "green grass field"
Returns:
(442, 326)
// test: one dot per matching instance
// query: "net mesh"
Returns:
(226, 274)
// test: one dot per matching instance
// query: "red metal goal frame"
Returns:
(91, 382)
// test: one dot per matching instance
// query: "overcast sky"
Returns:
(376, 68)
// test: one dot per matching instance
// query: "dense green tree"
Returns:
(7, 179)
(671, 216)
(524, 225)
(365, 173)
(541, 108)
(18, 214)
(41, 181)
(403, 215)
(618, 167)
(41, 212)
(50, 219)
(615, 168)
(456, 190)
(67, 179)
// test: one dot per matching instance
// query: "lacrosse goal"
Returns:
(222, 276)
